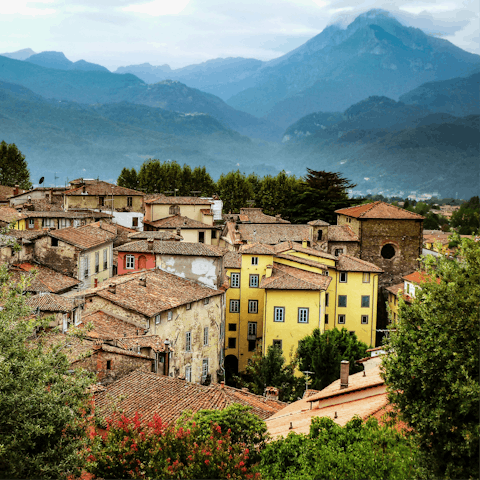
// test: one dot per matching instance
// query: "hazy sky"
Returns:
(181, 32)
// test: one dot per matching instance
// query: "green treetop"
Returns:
(13, 167)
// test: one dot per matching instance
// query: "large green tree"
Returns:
(13, 167)
(322, 354)
(235, 190)
(467, 219)
(128, 178)
(41, 401)
(432, 370)
(320, 195)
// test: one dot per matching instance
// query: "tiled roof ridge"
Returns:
(302, 260)
(72, 191)
(371, 206)
(286, 268)
(359, 260)
(258, 397)
(117, 317)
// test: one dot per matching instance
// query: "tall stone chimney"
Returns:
(271, 393)
(150, 243)
(344, 370)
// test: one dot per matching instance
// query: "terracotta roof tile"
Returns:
(155, 235)
(85, 237)
(347, 263)
(301, 260)
(379, 210)
(62, 214)
(163, 291)
(256, 215)
(296, 247)
(232, 260)
(290, 278)
(164, 200)
(178, 221)
(155, 342)
(172, 248)
(50, 302)
(418, 278)
(44, 279)
(109, 326)
(395, 289)
(318, 223)
(8, 215)
(149, 394)
(272, 234)
(103, 189)
(257, 249)
(341, 233)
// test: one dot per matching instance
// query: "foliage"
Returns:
(244, 427)
(128, 178)
(160, 177)
(41, 423)
(467, 218)
(321, 194)
(235, 190)
(359, 450)
(130, 448)
(322, 354)
(271, 370)
(433, 370)
(13, 167)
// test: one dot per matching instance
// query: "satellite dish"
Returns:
(41, 180)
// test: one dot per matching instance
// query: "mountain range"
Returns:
(388, 106)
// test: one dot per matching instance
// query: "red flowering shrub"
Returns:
(130, 448)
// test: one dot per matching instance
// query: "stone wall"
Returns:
(62, 258)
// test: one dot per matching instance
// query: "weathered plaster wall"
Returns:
(62, 258)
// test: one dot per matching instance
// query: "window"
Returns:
(232, 342)
(157, 319)
(365, 301)
(278, 344)
(252, 345)
(279, 314)
(174, 210)
(63, 222)
(341, 319)
(234, 306)
(364, 319)
(235, 280)
(188, 306)
(135, 222)
(101, 201)
(188, 342)
(31, 223)
(205, 336)
(254, 260)
(169, 315)
(342, 300)
(303, 315)
(97, 262)
(48, 222)
(105, 259)
(319, 235)
(86, 260)
(206, 301)
(205, 368)
(129, 201)
(338, 251)
(54, 242)
(130, 262)
(343, 277)
(253, 281)
(232, 327)
(253, 306)
(366, 277)
(214, 234)
(201, 237)
(326, 319)
(326, 299)
(188, 373)
(252, 328)
(388, 251)
(109, 364)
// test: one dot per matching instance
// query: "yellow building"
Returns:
(279, 294)
(195, 208)
(104, 196)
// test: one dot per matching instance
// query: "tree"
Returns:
(356, 451)
(322, 354)
(321, 194)
(41, 401)
(128, 178)
(271, 370)
(203, 182)
(13, 167)
(467, 218)
(432, 370)
(234, 189)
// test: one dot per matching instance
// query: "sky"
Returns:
(116, 33)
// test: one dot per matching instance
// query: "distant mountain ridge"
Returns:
(59, 61)
(19, 54)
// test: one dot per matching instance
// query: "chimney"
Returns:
(112, 288)
(344, 369)
(278, 218)
(50, 197)
(222, 385)
(142, 281)
(150, 243)
(178, 231)
(268, 272)
(84, 189)
(271, 393)
(304, 243)
(15, 190)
